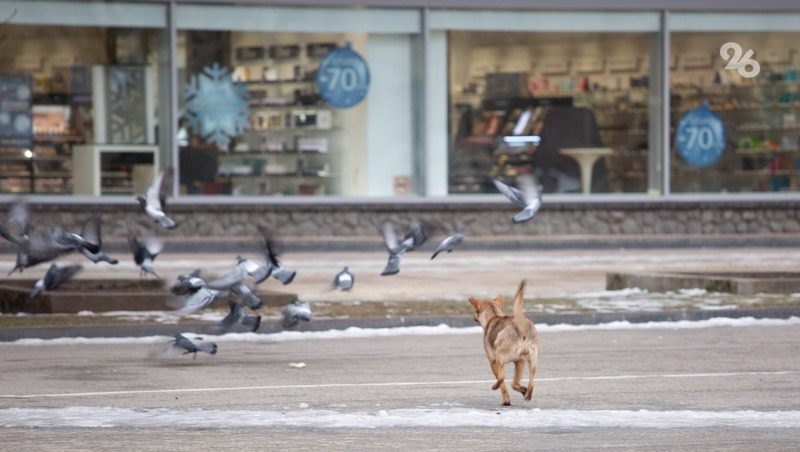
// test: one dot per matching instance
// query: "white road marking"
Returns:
(389, 384)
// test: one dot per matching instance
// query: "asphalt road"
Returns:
(411, 392)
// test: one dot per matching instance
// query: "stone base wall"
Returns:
(478, 219)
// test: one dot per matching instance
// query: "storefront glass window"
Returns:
(257, 120)
(735, 119)
(574, 109)
(79, 97)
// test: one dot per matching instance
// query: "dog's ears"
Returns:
(475, 302)
(499, 301)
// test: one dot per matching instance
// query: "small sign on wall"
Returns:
(402, 185)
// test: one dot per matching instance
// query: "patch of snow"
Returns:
(692, 292)
(105, 417)
(442, 329)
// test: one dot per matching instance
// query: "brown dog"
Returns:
(508, 339)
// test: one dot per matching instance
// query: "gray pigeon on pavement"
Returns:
(91, 232)
(193, 345)
(344, 280)
(295, 312)
(144, 253)
(449, 243)
(528, 197)
(238, 315)
(155, 199)
(53, 278)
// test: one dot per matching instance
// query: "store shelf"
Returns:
(766, 151)
(278, 82)
(49, 171)
(293, 153)
(281, 175)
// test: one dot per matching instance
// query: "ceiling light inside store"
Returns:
(28, 154)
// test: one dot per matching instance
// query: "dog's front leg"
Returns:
(497, 372)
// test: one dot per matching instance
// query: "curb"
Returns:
(271, 327)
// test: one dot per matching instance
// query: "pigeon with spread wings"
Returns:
(91, 232)
(279, 272)
(449, 243)
(527, 197)
(53, 278)
(416, 235)
(154, 201)
(144, 253)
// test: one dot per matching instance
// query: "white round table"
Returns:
(586, 157)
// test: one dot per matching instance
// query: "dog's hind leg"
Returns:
(519, 367)
(533, 362)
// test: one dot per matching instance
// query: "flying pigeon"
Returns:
(279, 272)
(193, 345)
(258, 272)
(344, 280)
(53, 278)
(154, 201)
(18, 223)
(91, 233)
(416, 236)
(295, 312)
(528, 197)
(237, 315)
(196, 300)
(233, 281)
(188, 284)
(449, 243)
(44, 245)
(145, 253)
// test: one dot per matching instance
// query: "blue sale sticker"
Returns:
(343, 77)
(700, 137)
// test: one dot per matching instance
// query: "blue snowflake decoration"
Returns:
(217, 108)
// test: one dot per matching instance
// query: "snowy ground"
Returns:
(720, 383)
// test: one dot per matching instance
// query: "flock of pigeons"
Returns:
(193, 292)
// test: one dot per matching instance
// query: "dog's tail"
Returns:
(520, 321)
